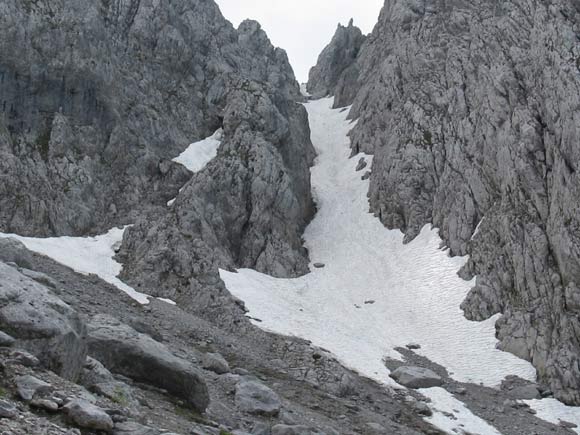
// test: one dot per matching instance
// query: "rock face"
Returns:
(336, 70)
(117, 90)
(125, 351)
(469, 111)
(41, 323)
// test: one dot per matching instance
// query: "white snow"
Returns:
(85, 255)
(444, 403)
(554, 411)
(167, 301)
(415, 287)
(199, 154)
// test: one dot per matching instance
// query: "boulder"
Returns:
(137, 356)
(7, 410)
(525, 392)
(41, 323)
(283, 429)
(132, 428)
(88, 416)
(28, 387)
(215, 363)
(14, 251)
(255, 398)
(6, 340)
(416, 377)
(94, 373)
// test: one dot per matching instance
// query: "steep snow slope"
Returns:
(415, 289)
(85, 255)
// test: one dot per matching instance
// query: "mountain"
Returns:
(470, 111)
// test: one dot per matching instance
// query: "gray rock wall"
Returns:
(336, 72)
(96, 97)
(471, 111)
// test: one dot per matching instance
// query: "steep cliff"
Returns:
(470, 109)
(336, 70)
(97, 97)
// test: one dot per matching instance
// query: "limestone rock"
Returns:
(42, 324)
(255, 398)
(6, 340)
(28, 387)
(125, 351)
(216, 363)
(337, 64)
(416, 377)
(88, 416)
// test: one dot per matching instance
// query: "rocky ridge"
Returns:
(469, 110)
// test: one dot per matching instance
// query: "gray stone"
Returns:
(7, 410)
(422, 408)
(525, 392)
(282, 429)
(24, 358)
(375, 429)
(319, 265)
(94, 373)
(40, 278)
(215, 363)
(125, 351)
(14, 252)
(255, 398)
(416, 377)
(28, 387)
(6, 340)
(42, 323)
(133, 428)
(88, 416)
(45, 404)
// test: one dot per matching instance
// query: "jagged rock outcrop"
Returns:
(42, 323)
(470, 111)
(336, 71)
(97, 97)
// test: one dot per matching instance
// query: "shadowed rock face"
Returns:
(336, 71)
(471, 111)
(96, 97)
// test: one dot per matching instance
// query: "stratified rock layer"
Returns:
(470, 109)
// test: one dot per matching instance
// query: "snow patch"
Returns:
(414, 288)
(199, 154)
(449, 413)
(85, 255)
(554, 411)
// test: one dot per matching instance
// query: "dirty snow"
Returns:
(554, 411)
(415, 287)
(86, 255)
(444, 404)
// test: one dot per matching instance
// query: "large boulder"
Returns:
(42, 323)
(88, 416)
(127, 352)
(416, 377)
(14, 251)
(255, 398)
